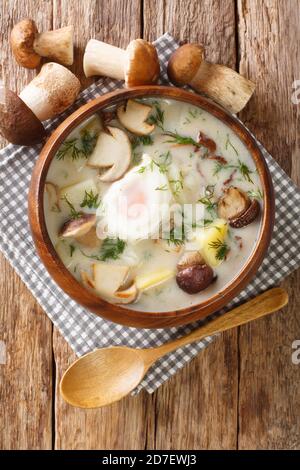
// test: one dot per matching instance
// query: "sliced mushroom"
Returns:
(78, 227)
(246, 217)
(190, 258)
(90, 239)
(53, 197)
(133, 115)
(138, 64)
(28, 46)
(194, 279)
(87, 281)
(113, 151)
(127, 296)
(236, 207)
(109, 278)
(233, 203)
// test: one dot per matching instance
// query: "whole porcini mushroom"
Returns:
(50, 93)
(137, 65)
(29, 46)
(187, 66)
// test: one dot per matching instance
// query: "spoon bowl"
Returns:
(89, 383)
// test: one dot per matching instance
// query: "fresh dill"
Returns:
(163, 187)
(111, 248)
(78, 148)
(165, 160)
(177, 185)
(141, 140)
(208, 199)
(88, 141)
(241, 167)
(229, 143)
(72, 248)
(221, 247)
(158, 117)
(73, 212)
(178, 139)
(90, 200)
(256, 194)
(177, 236)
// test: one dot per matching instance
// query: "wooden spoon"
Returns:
(106, 375)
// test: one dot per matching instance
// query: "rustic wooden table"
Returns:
(241, 392)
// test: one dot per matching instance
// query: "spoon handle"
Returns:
(263, 304)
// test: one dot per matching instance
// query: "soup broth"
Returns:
(155, 205)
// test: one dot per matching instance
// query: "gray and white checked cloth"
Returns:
(85, 331)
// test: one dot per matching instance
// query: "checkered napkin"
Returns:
(85, 331)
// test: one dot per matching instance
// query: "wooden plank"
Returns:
(123, 425)
(26, 377)
(269, 405)
(198, 407)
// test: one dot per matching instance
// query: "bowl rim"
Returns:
(94, 303)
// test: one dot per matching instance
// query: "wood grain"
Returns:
(121, 426)
(208, 418)
(198, 408)
(269, 400)
(26, 378)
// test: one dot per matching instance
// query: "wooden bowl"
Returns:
(89, 300)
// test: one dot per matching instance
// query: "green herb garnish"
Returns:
(90, 200)
(221, 247)
(72, 249)
(158, 117)
(207, 199)
(141, 140)
(88, 141)
(70, 148)
(177, 185)
(112, 248)
(73, 212)
(229, 143)
(245, 171)
(176, 138)
(177, 236)
(255, 194)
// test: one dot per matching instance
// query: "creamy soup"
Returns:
(155, 205)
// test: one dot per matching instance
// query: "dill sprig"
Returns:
(158, 117)
(90, 200)
(88, 141)
(70, 148)
(208, 199)
(178, 139)
(111, 248)
(74, 214)
(221, 247)
(177, 185)
(256, 194)
(241, 167)
(177, 236)
(229, 143)
(141, 140)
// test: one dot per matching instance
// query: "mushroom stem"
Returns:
(103, 59)
(223, 84)
(52, 91)
(57, 44)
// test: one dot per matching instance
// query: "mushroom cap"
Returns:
(21, 40)
(142, 64)
(18, 124)
(184, 63)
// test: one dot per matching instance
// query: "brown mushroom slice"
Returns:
(28, 46)
(53, 197)
(190, 258)
(18, 124)
(246, 217)
(51, 92)
(86, 280)
(233, 203)
(90, 239)
(133, 115)
(78, 227)
(112, 151)
(127, 296)
(109, 278)
(138, 64)
(194, 279)
(187, 66)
